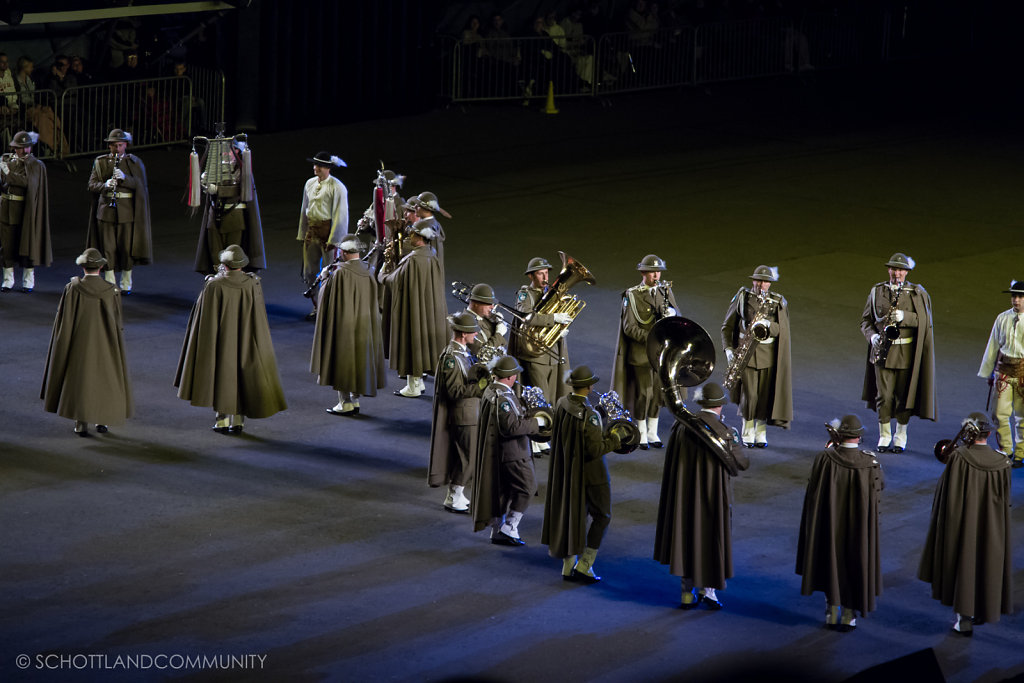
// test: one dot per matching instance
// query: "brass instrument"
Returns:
(535, 339)
(461, 291)
(684, 355)
(536, 404)
(967, 435)
(890, 332)
(758, 331)
(620, 422)
(666, 289)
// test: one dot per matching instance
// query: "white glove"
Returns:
(671, 312)
(899, 316)
(111, 183)
(542, 421)
(118, 173)
(211, 188)
(501, 329)
(874, 339)
(562, 318)
(4, 167)
(729, 356)
(565, 333)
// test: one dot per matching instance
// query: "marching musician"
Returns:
(426, 206)
(900, 374)
(764, 391)
(1003, 367)
(505, 477)
(633, 378)
(24, 213)
(542, 370)
(578, 481)
(456, 410)
(119, 224)
(493, 328)
(838, 547)
(348, 354)
(323, 217)
(367, 230)
(698, 547)
(231, 210)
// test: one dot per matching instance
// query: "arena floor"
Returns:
(314, 541)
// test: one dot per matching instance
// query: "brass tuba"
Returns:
(684, 356)
(535, 339)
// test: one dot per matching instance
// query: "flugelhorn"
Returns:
(967, 435)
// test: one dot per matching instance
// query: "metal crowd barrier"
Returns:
(33, 111)
(521, 68)
(517, 68)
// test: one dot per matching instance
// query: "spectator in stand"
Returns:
(78, 71)
(123, 38)
(60, 79)
(193, 103)
(472, 57)
(642, 26)
(39, 114)
(498, 46)
(129, 70)
(575, 46)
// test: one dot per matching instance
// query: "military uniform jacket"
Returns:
(86, 376)
(456, 405)
(918, 356)
(488, 334)
(578, 446)
(967, 554)
(28, 179)
(418, 329)
(837, 551)
(134, 210)
(348, 354)
(694, 527)
(527, 299)
(227, 358)
(641, 308)
(502, 434)
(774, 353)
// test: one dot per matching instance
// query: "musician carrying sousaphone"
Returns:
(119, 222)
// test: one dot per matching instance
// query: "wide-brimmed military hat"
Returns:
(325, 158)
(483, 293)
(351, 243)
(393, 178)
(1016, 287)
(428, 201)
(24, 139)
(411, 204)
(464, 322)
(118, 135)
(234, 257)
(650, 263)
(981, 421)
(91, 258)
(582, 377)
(765, 274)
(710, 395)
(424, 227)
(849, 427)
(901, 261)
(535, 264)
(506, 367)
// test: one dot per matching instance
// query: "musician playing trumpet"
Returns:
(119, 224)
(763, 391)
(634, 378)
(899, 381)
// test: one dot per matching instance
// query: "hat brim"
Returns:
(579, 384)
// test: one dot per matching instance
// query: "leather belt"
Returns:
(120, 195)
(13, 197)
(903, 340)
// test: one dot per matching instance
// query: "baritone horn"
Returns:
(684, 355)
(535, 339)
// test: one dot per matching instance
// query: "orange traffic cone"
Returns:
(549, 108)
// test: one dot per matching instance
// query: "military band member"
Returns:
(119, 224)
(366, 227)
(697, 546)
(86, 377)
(578, 482)
(323, 217)
(24, 213)
(838, 547)
(227, 359)
(540, 369)
(453, 433)
(493, 329)
(1003, 367)
(505, 478)
(418, 331)
(426, 206)
(634, 378)
(231, 210)
(967, 556)
(347, 350)
(903, 385)
(764, 393)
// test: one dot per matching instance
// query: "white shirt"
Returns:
(1006, 338)
(320, 206)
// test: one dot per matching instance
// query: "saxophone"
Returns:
(890, 331)
(758, 331)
